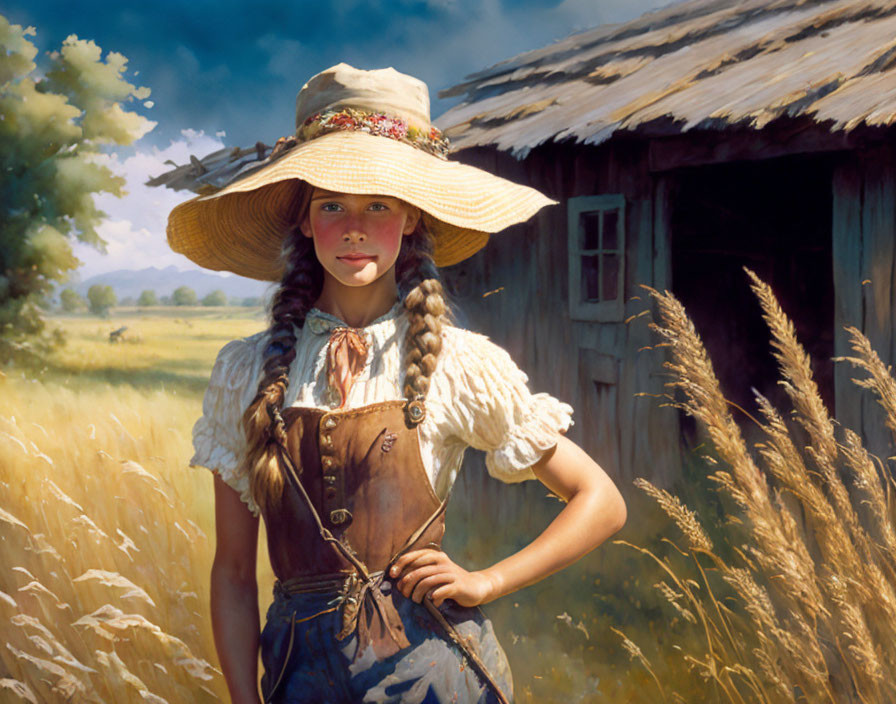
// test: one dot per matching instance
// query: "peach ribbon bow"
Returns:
(346, 356)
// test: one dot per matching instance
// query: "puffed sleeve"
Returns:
(218, 438)
(489, 406)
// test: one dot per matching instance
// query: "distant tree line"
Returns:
(101, 298)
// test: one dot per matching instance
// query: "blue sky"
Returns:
(227, 72)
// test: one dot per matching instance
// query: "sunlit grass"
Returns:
(107, 536)
(162, 348)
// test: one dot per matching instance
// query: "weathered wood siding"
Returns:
(864, 267)
(516, 292)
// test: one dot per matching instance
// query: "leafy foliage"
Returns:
(71, 301)
(215, 298)
(101, 299)
(147, 298)
(54, 128)
(184, 296)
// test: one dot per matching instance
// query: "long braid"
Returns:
(424, 299)
(299, 289)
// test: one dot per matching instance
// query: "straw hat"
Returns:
(361, 132)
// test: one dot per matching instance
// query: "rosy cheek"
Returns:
(387, 234)
(326, 234)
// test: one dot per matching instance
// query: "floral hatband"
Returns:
(430, 139)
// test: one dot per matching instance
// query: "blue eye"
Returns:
(379, 207)
(331, 207)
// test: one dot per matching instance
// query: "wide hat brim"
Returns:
(241, 227)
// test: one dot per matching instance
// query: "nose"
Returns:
(353, 235)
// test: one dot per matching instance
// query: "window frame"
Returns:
(611, 310)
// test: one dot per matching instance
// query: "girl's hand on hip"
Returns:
(421, 572)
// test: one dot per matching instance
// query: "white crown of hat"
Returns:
(384, 90)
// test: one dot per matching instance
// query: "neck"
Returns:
(358, 306)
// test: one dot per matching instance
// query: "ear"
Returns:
(305, 226)
(410, 224)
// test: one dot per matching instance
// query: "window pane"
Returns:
(611, 223)
(611, 277)
(589, 224)
(591, 278)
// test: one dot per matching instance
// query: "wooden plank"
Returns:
(847, 253)
(662, 250)
(878, 229)
(598, 407)
(662, 428)
(699, 149)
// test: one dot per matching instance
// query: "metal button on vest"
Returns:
(340, 516)
(327, 462)
(330, 422)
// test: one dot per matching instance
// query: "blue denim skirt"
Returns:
(303, 662)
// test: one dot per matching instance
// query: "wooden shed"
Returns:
(683, 146)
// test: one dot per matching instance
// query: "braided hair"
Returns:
(421, 291)
(299, 289)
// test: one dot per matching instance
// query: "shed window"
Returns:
(596, 257)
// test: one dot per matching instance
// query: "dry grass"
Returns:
(799, 604)
(107, 535)
(107, 541)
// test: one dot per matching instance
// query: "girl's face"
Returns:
(357, 237)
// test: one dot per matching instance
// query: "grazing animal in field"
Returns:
(117, 335)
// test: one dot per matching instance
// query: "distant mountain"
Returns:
(130, 283)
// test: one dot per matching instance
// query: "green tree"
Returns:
(147, 298)
(184, 296)
(215, 298)
(71, 301)
(101, 298)
(252, 301)
(57, 125)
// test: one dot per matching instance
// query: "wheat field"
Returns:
(107, 535)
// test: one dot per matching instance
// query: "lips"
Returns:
(357, 257)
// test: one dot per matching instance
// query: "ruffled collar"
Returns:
(321, 323)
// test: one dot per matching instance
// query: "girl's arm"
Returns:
(234, 594)
(594, 511)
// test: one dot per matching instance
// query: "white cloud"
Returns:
(134, 229)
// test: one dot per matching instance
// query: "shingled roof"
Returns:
(699, 64)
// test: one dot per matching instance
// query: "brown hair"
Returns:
(421, 291)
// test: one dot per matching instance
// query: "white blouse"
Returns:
(477, 398)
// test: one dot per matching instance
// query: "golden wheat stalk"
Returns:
(879, 379)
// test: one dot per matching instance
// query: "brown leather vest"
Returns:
(363, 472)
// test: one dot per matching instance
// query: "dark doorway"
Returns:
(774, 217)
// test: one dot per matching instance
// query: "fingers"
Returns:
(409, 584)
(413, 559)
(446, 591)
(427, 584)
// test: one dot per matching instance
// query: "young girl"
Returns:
(344, 424)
